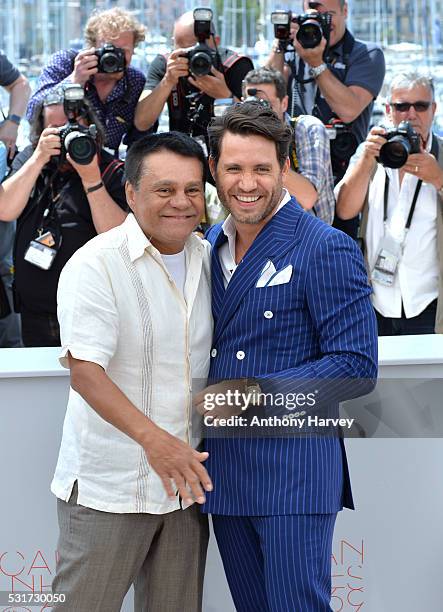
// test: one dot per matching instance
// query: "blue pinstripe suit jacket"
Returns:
(323, 326)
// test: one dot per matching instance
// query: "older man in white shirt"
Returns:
(402, 212)
(135, 319)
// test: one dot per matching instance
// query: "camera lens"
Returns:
(394, 153)
(310, 34)
(81, 147)
(109, 62)
(200, 64)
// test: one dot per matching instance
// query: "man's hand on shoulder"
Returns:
(213, 84)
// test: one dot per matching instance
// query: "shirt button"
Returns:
(240, 355)
(268, 314)
(214, 353)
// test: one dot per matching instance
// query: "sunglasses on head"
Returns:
(419, 107)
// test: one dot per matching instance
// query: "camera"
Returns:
(281, 20)
(252, 97)
(110, 59)
(201, 57)
(343, 144)
(77, 140)
(403, 140)
(312, 28)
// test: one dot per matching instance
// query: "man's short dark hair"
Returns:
(175, 142)
(266, 76)
(250, 118)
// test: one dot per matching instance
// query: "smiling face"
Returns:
(421, 120)
(169, 200)
(248, 177)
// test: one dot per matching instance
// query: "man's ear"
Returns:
(286, 167)
(130, 194)
(284, 104)
(212, 166)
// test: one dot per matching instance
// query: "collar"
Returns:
(230, 230)
(139, 243)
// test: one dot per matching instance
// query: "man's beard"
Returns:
(260, 215)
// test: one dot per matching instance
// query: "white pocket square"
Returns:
(266, 274)
(284, 276)
(269, 276)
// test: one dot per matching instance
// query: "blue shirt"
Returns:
(314, 163)
(116, 113)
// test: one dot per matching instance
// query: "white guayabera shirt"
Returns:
(119, 307)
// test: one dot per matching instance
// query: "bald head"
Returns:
(184, 31)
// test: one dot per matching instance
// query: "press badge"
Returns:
(41, 251)
(388, 258)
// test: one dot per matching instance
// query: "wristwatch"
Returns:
(253, 391)
(14, 118)
(317, 70)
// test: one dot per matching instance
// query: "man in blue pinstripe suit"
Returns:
(290, 302)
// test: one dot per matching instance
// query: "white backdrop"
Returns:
(386, 555)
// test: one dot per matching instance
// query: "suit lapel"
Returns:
(278, 235)
(218, 287)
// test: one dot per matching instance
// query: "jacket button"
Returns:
(240, 355)
(268, 314)
(214, 352)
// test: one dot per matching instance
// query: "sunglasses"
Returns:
(419, 107)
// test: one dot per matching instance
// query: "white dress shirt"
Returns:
(416, 281)
(227, 250)
(120, 308)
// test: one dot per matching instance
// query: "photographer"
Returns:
(59, 204)
(396, 180)
(339, 78)
(309, 179)
(112, 86)
(190, 92)
(19, 91)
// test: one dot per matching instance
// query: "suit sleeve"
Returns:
(337, 297)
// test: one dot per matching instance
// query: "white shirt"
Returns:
(416, 281)
(119, 307)
(176, 266)
(227, 250)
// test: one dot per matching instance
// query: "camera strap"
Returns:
(434, 152)
(412, 208)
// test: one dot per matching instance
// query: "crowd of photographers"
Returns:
(88, 106)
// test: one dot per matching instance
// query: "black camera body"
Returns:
(77, 140)
(343, 144)
(110, 58)
(201, 57)
(312, 28)
(402, 141)
(253, 97)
